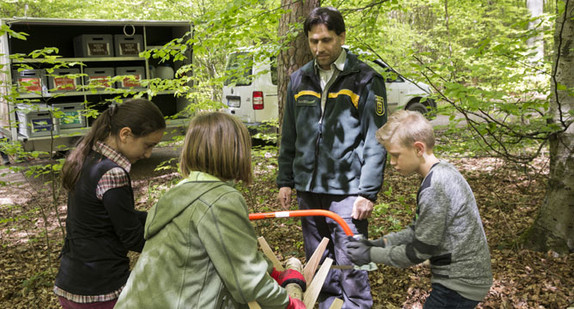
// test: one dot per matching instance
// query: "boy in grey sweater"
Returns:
(447, 229)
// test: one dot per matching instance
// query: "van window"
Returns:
(388, 74)
(239, 69)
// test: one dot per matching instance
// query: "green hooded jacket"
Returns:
(201, 252)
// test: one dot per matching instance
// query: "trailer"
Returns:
(56, 75)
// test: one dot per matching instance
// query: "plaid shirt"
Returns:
(114, 178)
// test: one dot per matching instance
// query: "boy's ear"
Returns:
(420, 148)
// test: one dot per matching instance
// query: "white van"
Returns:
(250, 91)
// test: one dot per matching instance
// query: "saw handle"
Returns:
(303, 213)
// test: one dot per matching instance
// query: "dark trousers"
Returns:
(442, 297)
(68, 304)
(352, 286)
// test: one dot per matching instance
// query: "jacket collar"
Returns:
(113, 155)
(351, 65)
(339, 63)
(201, 176)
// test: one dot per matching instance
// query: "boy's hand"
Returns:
(362, 208)
(359, 251)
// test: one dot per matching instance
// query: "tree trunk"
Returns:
(553, 229)
(296, 49)
(536, 43)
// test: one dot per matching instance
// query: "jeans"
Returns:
(351, 286)
(445, 298)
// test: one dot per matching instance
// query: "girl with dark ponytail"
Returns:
(102, 224)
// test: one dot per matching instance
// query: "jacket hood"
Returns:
(178, 199)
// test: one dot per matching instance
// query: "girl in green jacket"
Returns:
(201, 249)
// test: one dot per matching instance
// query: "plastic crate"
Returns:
(72, 117)
(29, 80)
(128, 46)
(133, 77)
(36, 120)
(60, 81)
(94, 45)
(99, 77)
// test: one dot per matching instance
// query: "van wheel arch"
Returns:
(426, 108)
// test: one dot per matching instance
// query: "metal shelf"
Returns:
(80, 59)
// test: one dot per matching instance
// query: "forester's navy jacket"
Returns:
(334, 151)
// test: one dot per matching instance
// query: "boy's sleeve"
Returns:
(429, 230)
(401, 237)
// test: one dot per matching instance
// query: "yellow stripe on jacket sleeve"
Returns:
(307, 92)
(354, 97)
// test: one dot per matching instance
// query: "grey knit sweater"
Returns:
(447, 230)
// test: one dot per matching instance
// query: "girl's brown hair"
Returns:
(140, 115)
(218, 144)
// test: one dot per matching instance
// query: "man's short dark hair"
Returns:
(328, 16)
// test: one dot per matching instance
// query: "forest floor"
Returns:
(32, 213)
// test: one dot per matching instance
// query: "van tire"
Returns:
(418, 107)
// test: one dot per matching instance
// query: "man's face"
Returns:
(325, 45)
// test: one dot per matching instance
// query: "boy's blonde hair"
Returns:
(406, 127)
(218, 144)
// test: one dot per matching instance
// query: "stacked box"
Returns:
(29, 80)
(61, 81)
(99, 77)
(133, 77)
(72, 117)
(128, 46)
(36, 120)
(94, 45)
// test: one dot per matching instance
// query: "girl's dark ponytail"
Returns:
(141, 116)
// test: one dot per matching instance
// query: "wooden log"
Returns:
(293, 289)
(312, 293)
(313, 262)
(336, 304)
(270, 254)
(253, 305)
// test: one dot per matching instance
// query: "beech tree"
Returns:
(554, 226)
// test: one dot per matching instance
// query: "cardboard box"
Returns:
(36, 120)
(94, 45)
(99, 77)
(133, 76)
(128, 46)
(61, 81)
(73, 115)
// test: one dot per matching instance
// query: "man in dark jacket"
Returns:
(329, 152)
